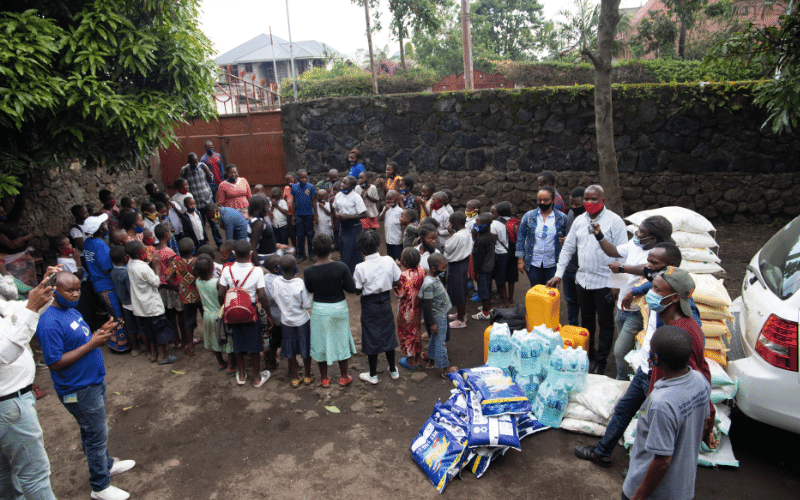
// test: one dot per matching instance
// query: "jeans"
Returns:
(629, 323)
(571, 297)
(214, 226)
(24, 468)
(623, 413)
(119, 341)
(90, 412)
(596, 302)
(437, 351)
(305, 229)
(540, 275)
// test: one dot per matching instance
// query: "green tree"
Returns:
(101, 81)
(578, 28)
(415, 14)
(686, 11)
(655, 34)
(506, 27)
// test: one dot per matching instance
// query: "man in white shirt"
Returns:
(24, 467)
(593, 273)
(440, 214)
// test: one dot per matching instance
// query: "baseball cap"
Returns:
(92, 224)
(682, 283)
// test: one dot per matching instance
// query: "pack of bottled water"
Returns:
(568, 367)
(501, 352)
(551, 403)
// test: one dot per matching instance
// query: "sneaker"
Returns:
(470, 286)
(366, 378)
(458, 324)
(302, 259)
(121, 466)
(395, 374)
(453, 316)
(111, 493)
(481, 316)
(475, 298)
(588, 453)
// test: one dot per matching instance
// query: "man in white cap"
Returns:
(98, 263)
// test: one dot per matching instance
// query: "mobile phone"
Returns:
(51, 281)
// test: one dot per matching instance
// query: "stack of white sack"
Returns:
(589, 411)
(713, 303)
(692, 233)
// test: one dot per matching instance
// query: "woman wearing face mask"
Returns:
(234, 192)
(354, 162)
(539, 238)
(350, 209)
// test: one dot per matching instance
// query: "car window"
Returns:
(780, 261)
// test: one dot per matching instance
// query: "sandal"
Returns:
(296, 383)
(345, 381)
(404, 363)
(195, 341)
(308, 380)
(186, 350)
(448, 371)
(430, 366)
(326, 382)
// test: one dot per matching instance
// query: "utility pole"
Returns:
(371, 55)
(291, 52)
(466, 42)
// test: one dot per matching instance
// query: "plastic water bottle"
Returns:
(555, 373)
(500, 349)
(582, 369)
(551, 403)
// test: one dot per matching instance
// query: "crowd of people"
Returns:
(152, 267)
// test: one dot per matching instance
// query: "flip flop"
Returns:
(296, 383)
(195, 341)
(308, 380)
(404, 363)
(168, 361)
(186, 350)
(264, 378)
(239, 380)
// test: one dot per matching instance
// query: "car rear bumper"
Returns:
(766, 393)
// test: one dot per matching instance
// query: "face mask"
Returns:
(578, 210)
(112, 203)
(436, 205)
(392, 204)
(351, 162)
(64, 302)
(143, 255)
(346, 191)
(216, 217)
(151, 216)
(164, 217)
(183, 191)
(138, 229)
(64, 251)
(471, 213)
(649, 274)
(404, 192)
(654, 301)
(441, 274)
(593, 208)
(427, 248)
(210, 151)
(544, 207)
(232, 258)
(149, 241)
(363, 185)
(479, 229)
(639, 243)
(104, 232)
(191, 210)
(232, 179)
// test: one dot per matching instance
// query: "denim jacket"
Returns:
(526, 238)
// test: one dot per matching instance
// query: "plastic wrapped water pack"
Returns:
(551, 403)
(529, 384)
(500, 349)
(491, 432)
(569, 367)
(529, 352)
(497, 392)
(440, 450)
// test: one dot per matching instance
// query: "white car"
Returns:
(767, 329)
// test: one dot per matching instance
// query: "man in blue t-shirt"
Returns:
(231, 220)
(76, 365)
(305, 214)
(98, 264)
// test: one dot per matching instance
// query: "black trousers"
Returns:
(596, 302)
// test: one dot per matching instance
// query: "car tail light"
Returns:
(777, 343)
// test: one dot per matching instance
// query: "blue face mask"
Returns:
(639, 243)
(654, 301)
(404, 192)
(3, 217)
(64, 302)
(191, 210)
(138, 229)
(346, 191)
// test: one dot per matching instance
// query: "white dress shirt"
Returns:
(443, 218)
(424, 254)
(349, 204)
(458, 247)
(293, 300)
(324, 223)
(499, 229)
(239, 271)
(145, 299)
(394, 233)
(17, 367)
(278, 218)
(593, 270)
(376, 274)
(544, 241)
(197, 224)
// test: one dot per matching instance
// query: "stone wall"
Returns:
(703, 149)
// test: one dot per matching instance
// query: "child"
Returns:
(76, 235)
(483, 262)
(168, 290)
(226, 251)
(171, 213)
(164, 218)
(272, 270)
(180, 271)
(150, 215)
(374, 278)
(429, 237)
(472, 211)
(69, 258)
(207, 289)
(324, 222)
(208, 251)
(149, 242)
(151, 188)
(409, 226)
(407, 184)
(457, 251)
(194, 226)
(118, 237)
(109, 208)
(305, 211)
(408, 308)
(425, 199)
(440, 214)
(291, 177)
(391, 215)
(182, 186)
(280, 212)
(447, 205)
(146, 302)
(294, 301)
(122, 287)
(246, 337)
(435, 304)
(498, 230)
(259, 189)
(369, 194)
(127, 202)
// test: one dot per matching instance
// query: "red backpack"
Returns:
(512, 227)
(238, 308)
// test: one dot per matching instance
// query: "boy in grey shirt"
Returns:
(671, 424)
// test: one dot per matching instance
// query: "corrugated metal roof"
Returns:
(259, 49)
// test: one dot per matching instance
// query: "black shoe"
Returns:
(587, 453)
(599, 369)
(302, 259)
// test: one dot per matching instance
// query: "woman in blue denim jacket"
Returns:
(539, 238)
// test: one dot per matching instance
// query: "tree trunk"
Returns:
(402, 53)
(682, 39)
(603, 108)
(466, 42)
(371, 54)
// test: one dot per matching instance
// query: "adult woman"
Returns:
(393, 181)
(350, 209)
(133, 225)
(13, 253)
(331, 340)
(235, 191)
(354, 162)
(262, 238)
(539, 238)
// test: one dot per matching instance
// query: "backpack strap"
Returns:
(237, 285)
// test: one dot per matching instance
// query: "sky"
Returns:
(337, 23)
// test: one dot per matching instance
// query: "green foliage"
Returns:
(655, 34)
(100, 81)
(345, 80)
(506, 27)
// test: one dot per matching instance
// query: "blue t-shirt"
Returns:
(59, 332)
(356, 169)
(122, 284)
(303, 195)
(98, 259)
(232, 219)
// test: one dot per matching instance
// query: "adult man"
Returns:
(24, 468)
(568, 283)
(231, 220)
(326, 184)
(671, 423)
(72, 353)
(594, 294)
(548, 178)
(669, 300)
(198, 175)
(214, 162)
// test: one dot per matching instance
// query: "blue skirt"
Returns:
(457, 277)
(377, 324)
(246, 337)
(296, 340)
(348, 250)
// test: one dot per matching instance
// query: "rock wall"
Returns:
(701, 148)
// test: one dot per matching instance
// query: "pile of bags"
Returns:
(692, 234)
(486, 415)
(713, 303)
(589, 411)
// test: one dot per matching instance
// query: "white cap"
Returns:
(92, 224)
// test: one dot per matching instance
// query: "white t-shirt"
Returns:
(293, 300)
(423, 256)
(349, 204)
(376, 274)
(632, 255)
(278, 218)
(178, 198)
(394, 232)
(68, 264)
(324, 223)
(76, 233)
(499, 229)
(372, 192)
(458, 247)
(239, 270)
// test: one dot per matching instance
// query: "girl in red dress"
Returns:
(409, 310)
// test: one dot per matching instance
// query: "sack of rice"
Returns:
(694, 267)
(708, 312)
(682, 219)
(583, 427)
(700, 255)
(710, 291)
(693, 240)
(715, 328)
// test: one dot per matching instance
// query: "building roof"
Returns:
(260, 49)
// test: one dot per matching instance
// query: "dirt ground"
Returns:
(195, 434)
